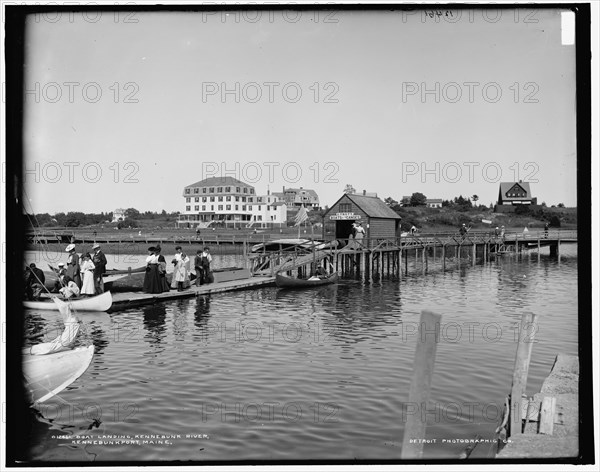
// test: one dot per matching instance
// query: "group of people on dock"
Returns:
(155, 278)
(81, 276)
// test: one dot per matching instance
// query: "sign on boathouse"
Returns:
(345, 215)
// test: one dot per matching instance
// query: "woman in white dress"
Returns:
(87, 276)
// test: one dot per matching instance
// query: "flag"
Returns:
(301, 216)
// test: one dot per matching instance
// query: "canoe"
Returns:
(47, 375)
(100, 302)
(290, 282)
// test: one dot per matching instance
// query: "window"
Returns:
(196, 199)
(187, 208)
(187, 190)
(237, 189)
(228, 207)
(196, 190)
(212, 208)
(237, 199)
(212, 199)
(243, 207)
(259, 199)
(211, 190)
(245, 189)
(244, 199)
(220, 207)
(219, 189)
(203, 199)
(345, 207)
(252, 191)
(228, 198)
(187, 200)
(259, 207)
(228, 189)
(196, 207)
(249, 207)
(220, 199)
(237, 207)
(203, 207)
(203, 189)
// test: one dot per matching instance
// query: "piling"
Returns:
(420, 386)
(527, 331)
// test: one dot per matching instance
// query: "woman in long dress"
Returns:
(87, 273)
(162, 271)
(73, 269)
(152, 279)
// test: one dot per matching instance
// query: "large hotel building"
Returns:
(228, 201)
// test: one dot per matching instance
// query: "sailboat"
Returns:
(49, 368)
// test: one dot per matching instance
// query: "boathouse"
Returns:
(378, 220)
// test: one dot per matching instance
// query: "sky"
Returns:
(125, 110)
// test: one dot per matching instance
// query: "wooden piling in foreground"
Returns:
(527, 331)
(420, 387)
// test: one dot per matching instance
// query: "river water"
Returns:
(274, 374)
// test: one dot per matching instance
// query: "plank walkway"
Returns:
(551, 432)
(125, 300)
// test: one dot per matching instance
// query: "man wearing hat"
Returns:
(99, 260)
(73, 269)
(60, 273)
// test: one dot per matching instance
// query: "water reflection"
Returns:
(154, 323)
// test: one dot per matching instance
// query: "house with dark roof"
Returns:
(514, 194)
(297, 197)
(377, 219)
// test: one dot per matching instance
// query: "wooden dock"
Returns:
(125, 300)
(551, 417)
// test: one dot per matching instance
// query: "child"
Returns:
(70, 289)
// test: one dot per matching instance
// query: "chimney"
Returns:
(364, 192)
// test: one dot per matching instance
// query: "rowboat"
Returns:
(290, 282)
(286, 245)
(101, 302)
(46, 375)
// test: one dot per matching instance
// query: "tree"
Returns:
(131, 213)
(418, 199)
(389, 201)
(349, 189)
(561, 205)
(462, 204)
(475, 198)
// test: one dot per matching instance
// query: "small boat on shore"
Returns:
(100, 302)
(290, 282)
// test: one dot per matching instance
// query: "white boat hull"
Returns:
(101, 302)
(47, 375)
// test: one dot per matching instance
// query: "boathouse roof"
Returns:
(374, 207)
(219, 181)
